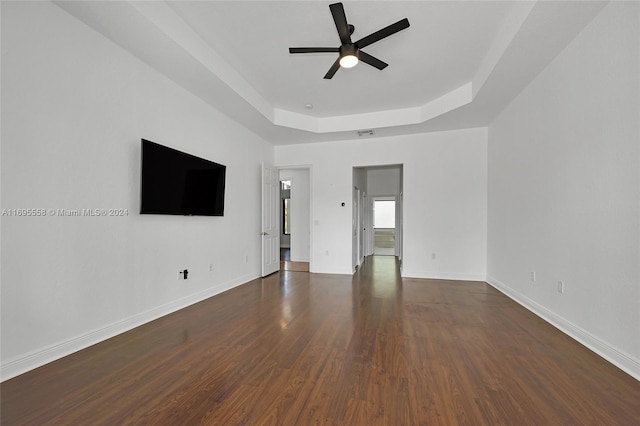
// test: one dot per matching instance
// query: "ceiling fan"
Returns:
(349, 52)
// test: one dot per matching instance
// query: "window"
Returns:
(384, 214)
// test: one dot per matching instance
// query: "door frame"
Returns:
(309, 168)
(396, 230)
(366, 246)
(356, 226)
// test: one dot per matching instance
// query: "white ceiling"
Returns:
(457, 66)
(254, 39)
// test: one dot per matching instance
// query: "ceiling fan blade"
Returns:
(385, 32)
(372, 60)
(337, 10)
(333, 69)
(313, 49)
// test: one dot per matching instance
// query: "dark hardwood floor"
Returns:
(287, 265)
(299, 348)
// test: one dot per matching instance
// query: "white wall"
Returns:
(564, 189)
(444, 199)
(384, 181)
(360, 179)
(74, 107)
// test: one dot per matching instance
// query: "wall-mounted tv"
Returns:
(177, 183)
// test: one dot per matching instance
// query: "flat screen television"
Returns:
(177, 183)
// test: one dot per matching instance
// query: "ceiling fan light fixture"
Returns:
(349, 51)
(348, 56)
(348, 61)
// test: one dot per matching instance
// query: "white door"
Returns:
(270, 215)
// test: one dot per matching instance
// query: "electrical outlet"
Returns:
(561, 287)
(433, 256)
(211, 267)
(183, 274)
(180, 274)
(533, 277)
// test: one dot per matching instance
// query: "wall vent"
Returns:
(365, 132)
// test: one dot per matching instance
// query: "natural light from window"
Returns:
(384, 214)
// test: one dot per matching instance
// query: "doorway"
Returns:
(384, 227)
(295, 218)
(377, 188)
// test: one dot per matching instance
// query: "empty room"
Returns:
(453, 187)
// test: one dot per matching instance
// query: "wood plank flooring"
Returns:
(287, 265)
(299, 348)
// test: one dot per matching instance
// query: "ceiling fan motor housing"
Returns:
(348, 50)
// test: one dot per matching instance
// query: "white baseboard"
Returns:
(620, 359)
(443, 276)
(331, 271)
(40, 357)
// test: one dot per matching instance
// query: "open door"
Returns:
(270, 224)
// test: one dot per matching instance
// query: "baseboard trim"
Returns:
(620, 359)
(32, 360)
(330, 272)
(443, 276)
